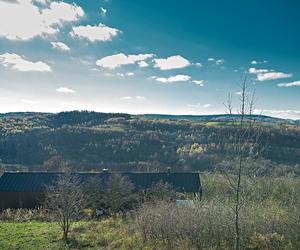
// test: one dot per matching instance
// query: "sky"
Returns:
(166, 57)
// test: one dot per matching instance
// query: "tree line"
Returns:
(93, 141)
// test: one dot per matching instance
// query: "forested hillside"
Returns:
(92, 141)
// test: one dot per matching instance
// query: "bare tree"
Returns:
(55, 163)
(246, 147)
(160, 191)
(65, 199)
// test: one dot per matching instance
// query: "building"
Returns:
(27, 189)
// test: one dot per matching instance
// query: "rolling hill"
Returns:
(152, 142)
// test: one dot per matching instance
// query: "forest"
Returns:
(249, 173)
(90, 141)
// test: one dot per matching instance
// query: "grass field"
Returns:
(269, 220)
(27, 235)
(35, 235)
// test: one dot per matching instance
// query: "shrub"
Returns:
(197, 225)
(210, 225)
(22, 215)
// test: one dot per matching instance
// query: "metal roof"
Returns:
(38, 181)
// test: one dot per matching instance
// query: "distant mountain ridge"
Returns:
(222, 118)
(93, 141)
(198, 118)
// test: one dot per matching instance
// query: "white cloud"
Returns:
(257, 71)
(124, 98)
(143, 64)
(198, 105)
(103, 11)
(65, 90)
(199, 65)
(60, 46)
(141, 98)
(60, 12)
(220, 61)
(172, 62)
(23, 20)
(83, 61)
(258, 62)
(177, 78)
(125, 74)
(286, 114)
(216, 61)
(199, 82)
(16, 62)
(289, 84)
(265, 74)
(136, 98)
(272, 76)
(117, 60)
(95, 33)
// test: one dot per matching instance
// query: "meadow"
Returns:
(270, 219)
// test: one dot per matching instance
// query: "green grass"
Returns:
(35, 235)
(27, 235)
(273, 210)
(108, 128)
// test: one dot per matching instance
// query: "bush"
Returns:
(197, 225)
(160, 191)
(210, 226)
(22, 215)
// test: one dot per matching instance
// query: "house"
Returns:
(27, 189)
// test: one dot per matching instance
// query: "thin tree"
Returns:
(65, 199)
(246, 147)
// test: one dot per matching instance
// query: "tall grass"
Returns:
(270, 217)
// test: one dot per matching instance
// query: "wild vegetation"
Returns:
(270, 220)
(39, 141)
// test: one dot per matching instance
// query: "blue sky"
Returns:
(179, 57)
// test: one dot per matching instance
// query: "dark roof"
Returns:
(38, 181)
